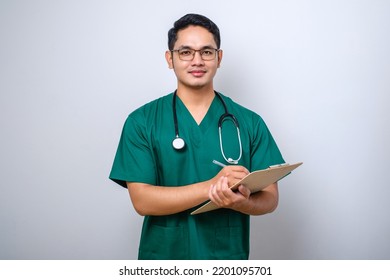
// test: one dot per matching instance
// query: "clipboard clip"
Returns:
(278, 165)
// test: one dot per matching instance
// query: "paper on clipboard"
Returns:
(255, 181)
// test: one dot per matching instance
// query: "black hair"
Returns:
(196, 20)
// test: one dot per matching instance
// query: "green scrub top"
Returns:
(145, 154)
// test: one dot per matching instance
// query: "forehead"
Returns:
(195, 37)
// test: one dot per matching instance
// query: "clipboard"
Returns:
(256, 181)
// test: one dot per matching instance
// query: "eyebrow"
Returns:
(202, 48)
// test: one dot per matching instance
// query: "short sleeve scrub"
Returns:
(145, 154)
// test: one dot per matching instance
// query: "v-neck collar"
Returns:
(213, 112)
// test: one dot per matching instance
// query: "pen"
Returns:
(218, 163)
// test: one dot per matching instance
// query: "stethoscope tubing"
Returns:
(178, 143)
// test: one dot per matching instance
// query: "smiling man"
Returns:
(166, 152)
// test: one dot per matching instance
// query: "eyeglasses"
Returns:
(188, 54)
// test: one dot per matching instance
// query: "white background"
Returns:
(71, 71)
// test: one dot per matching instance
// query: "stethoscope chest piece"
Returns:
(178, 143)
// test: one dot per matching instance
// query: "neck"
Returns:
(196, 96)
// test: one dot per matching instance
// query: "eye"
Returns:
(208, 52)
(185, 52)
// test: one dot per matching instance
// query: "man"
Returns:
(166, 179)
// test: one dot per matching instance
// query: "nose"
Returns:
(197, 60)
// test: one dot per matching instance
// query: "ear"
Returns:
(220, 55)
(169, 59)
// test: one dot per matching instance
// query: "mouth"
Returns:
(197, 73)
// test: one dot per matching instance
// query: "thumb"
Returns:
(244, 191)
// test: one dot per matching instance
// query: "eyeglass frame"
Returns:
(195, 51)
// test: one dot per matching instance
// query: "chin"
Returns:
(198, 85)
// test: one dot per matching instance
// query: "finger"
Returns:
(222, 193)
(214, 191)
(239, 168)
(244, 191)
(234, 168)
(221, 186)
(238, 173)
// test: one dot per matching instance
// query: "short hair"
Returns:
(196, 20)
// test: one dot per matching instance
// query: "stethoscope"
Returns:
(178, 143)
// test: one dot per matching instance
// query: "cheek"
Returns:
(177, 65)
(213, 70)
(179, 68)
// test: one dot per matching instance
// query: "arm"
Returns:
(259, 203)
(159, 200)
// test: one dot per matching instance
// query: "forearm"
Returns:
(260, 203)
(158, 200)
(161, 200)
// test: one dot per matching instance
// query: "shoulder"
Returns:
(151, 110)
(152, 107)
(144, 117)
(250, 122)
(242, 112)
